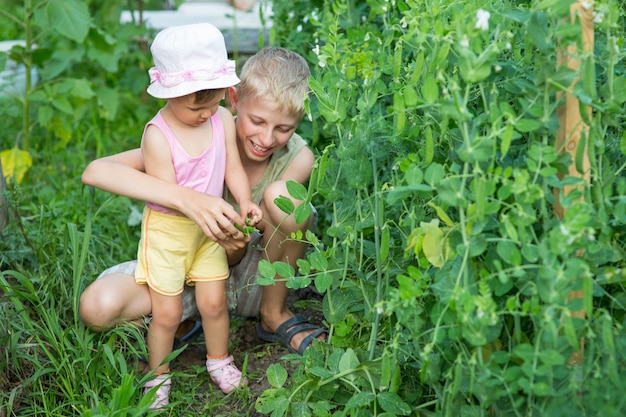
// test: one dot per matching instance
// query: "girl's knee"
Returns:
(212, 310)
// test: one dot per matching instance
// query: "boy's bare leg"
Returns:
(279, 247)
(114, 299)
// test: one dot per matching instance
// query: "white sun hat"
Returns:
(189, 58)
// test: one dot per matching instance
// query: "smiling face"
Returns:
(262, 126)
(189, 111)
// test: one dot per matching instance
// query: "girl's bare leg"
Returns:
(213, 307)
(166, 315)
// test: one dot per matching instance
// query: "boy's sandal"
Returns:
(229, 378)
(162, 394)
(286, 331)
(190, 336)
(187, 338)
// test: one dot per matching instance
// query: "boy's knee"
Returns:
(274, 214)
(93, 312)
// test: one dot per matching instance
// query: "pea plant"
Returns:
(448, 277)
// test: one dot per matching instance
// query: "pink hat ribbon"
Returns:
(172, 79)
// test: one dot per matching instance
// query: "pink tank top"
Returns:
(205, 172)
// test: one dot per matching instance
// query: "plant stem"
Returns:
(379, 268)
(28, 65)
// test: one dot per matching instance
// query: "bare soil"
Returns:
(246, 345)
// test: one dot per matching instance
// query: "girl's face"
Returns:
(261, 127)
(191, 113)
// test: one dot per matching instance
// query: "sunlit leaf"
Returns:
(15, 164)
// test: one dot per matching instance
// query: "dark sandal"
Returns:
(286, 331)
(189, 337)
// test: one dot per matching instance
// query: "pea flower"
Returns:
(482, 19)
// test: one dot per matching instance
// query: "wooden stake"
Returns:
(572, 127)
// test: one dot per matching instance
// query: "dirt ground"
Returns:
(260, 354)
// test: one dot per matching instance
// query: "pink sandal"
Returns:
(230, 377)
(162, 394)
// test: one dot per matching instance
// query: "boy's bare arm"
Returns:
(122, 174)
(301, 166)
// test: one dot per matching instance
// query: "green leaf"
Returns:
(551, 357)
(318, 261)
(335, 305)
(69, 18)
(475, 73)
(266, 269)
(284, 269)
(275, 401)
(349, 361)
(434, 174)
(360, 400)
(524, 351)
(285, 204)
(527, 125)
(537, 31)
(302, 213)
(392, 403)
(320, 371)
(300, 409)
(63, 104)
(403, 192)
(311, 238)
(82, 89)
(296, 190)
(323, 281)
(509, 252)
(304, 266)
(542, 389)
(276, 375)
(109, 101)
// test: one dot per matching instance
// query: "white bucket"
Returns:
(13, 78)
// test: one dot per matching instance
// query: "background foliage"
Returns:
(445, 271)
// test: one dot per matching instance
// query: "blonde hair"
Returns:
(276, 74)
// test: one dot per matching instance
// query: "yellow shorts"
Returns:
(173, 251)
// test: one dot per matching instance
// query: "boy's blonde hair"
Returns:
(276, 74)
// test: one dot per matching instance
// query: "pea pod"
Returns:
(247, 229)
(399, 112)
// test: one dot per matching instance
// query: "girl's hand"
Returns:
(253, 215)
(214, 215)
